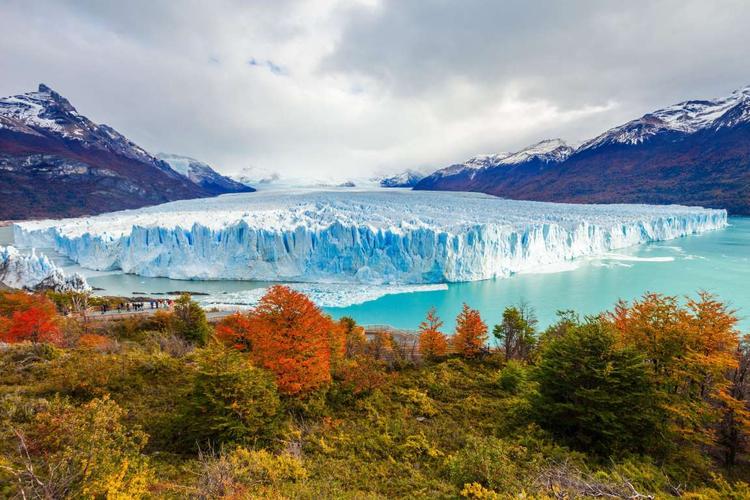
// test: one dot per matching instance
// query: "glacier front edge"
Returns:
(350, 236)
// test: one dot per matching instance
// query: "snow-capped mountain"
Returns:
(55, 162)
(202, 174)
(47, 113)
(695, 152)
(406, 179)
(264, 179)
(684, 118)
(546, 152)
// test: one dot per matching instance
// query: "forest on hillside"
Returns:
(647, 400)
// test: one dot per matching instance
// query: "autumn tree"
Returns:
(689, 351)
(81, 452)
(363, 367)
(29, 318)
(516, 332)
(235, 330)
(432, 342)
(337, 344)
(355, 340)
(289, 335)
(735, 424)
(14, 301)
(470, 336)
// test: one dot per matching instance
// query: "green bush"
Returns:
(595, 395)
(493, 463)
(231, 401)
(512, 376)
(190, 320)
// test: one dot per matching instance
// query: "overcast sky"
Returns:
(329, 88)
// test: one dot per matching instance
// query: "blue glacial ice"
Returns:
(34, 271)
(351, 236)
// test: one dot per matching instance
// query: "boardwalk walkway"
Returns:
(407, 339)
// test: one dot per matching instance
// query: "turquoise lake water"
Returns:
(718, 262)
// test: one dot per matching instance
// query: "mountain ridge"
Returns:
(694, 152)
(55, 162)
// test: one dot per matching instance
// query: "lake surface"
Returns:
(718, 262)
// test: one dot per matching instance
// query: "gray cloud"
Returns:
(347, 88)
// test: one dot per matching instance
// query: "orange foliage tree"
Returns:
(235, 331)
(432, 342)
(471, 333)
(288, 335)
(355, 340)
(29, 317)
(689, 351)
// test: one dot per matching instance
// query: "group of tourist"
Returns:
(137, 306)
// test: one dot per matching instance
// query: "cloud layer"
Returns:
(333, 88)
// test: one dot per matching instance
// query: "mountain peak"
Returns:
(45, 93)
(684, 117)
(76, 166)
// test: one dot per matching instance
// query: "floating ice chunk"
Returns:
(324, 295)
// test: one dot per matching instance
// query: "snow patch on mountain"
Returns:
(550, 150)
(36, 272)
(547, 151)
(372, 237)
(202, 174)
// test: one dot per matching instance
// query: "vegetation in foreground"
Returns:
(649, 400)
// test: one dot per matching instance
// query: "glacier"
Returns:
(36, 272)
(372, 236)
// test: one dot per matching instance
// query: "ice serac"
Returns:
(36, 272)
(379, 236)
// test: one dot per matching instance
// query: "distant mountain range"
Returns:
(694, 153)
(409, 178)
(55, 162)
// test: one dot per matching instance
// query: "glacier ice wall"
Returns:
(379, 236)
(35, 271)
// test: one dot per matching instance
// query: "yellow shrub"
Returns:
(260, 467)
